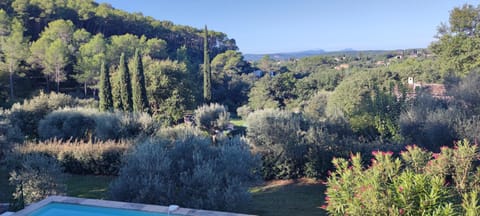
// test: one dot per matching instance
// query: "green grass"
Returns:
(84, 186)
(88, 186)
(302, 197)
(238, 122)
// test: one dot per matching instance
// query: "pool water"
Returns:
(60, 209)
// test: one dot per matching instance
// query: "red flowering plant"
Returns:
(416, 183)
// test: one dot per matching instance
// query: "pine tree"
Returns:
(140, 100)
(125, 85)
(207, 80)
(105, 94)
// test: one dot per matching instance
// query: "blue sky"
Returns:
(267, 26)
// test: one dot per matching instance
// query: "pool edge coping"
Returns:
(121, 205)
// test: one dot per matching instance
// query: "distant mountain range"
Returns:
(302, 54)
(283, 56)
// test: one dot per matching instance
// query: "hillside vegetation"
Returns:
(148, 107)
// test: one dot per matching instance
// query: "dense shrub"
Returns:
(188, 171)
(293, 146)
(429, 122)
(9, 133)
(316, 105)
(468, 127)
(418, 183)
(37, 177)
(244, 111)
(27, 115)
(212, 117)
(178, 132)
(78, 157)
(467, 93)
(280, 137)
(82, 123)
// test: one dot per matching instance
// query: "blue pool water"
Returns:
(60, 209)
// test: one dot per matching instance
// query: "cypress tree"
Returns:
(116, 93)
(125, 85)
(140, 100)
(207, 80)
(105, 94)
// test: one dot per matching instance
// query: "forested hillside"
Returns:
(60, 45)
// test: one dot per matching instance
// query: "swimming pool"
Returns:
(72, 206)
(55, 209)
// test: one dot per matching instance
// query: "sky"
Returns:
(270, 26)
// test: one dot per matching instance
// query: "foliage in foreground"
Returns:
(417, 183)
(188, 171)
(37, 177)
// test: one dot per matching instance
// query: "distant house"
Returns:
(342, 66)
(380, 63)
(436, 90)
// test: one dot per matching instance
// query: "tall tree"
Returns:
(207, 75)
(105, 93)
(458, 43)
(56, 58)
(52, 51)
(116, 92)
(140, 101)
(14, 49)
(125, 85)
(89, 61)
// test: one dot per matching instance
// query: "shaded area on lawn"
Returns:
(288, 197)
(88, 186)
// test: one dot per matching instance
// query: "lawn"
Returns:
(238, 122)
(84, 186)
(87, 186)
(288, 197)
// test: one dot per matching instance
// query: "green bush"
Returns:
(244, 111)
(467, 93)
(418, 183)
(429, 122)
(280, 138)
(79, 157)
(9, 133)
(178, 132)
(188, 171)
(212, 117)
(86, 124)
(293, 146)
(37, 177)
(468, 127)
(27, 115)
(316, 105)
